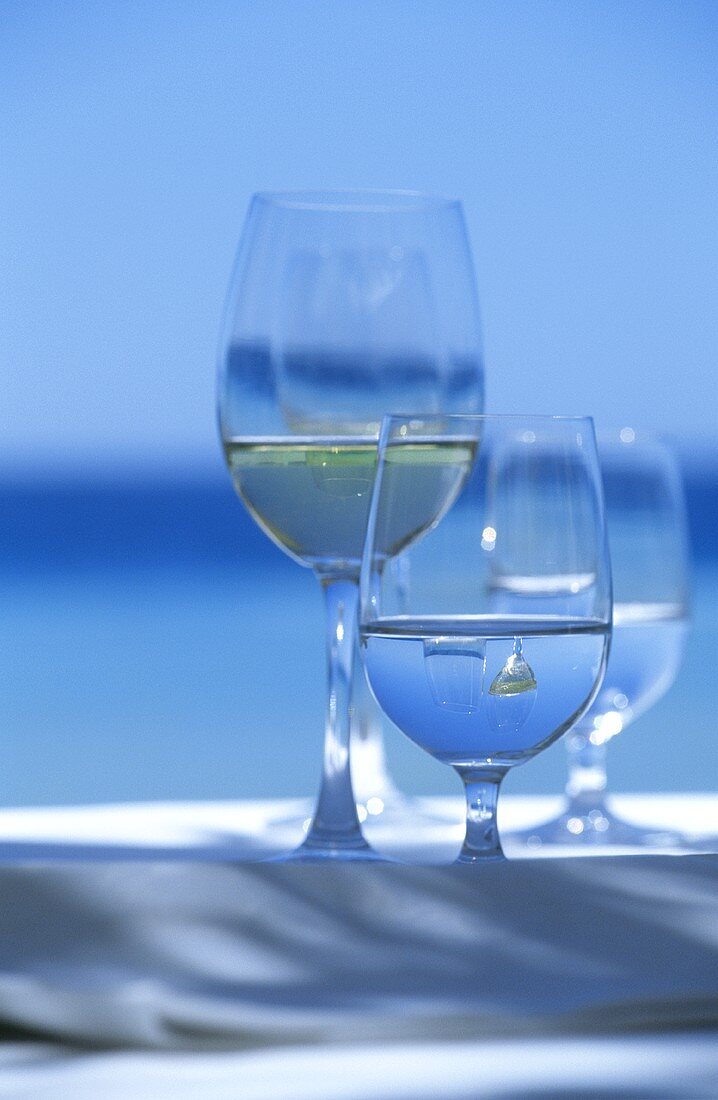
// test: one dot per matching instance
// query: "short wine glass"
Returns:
(647, 535)
(500, 639)
(343, 306)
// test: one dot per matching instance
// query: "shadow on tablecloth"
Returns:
(173, 956)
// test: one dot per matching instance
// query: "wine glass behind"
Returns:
(647, 531)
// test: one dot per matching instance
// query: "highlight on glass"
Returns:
(343, 306)
(497, 641)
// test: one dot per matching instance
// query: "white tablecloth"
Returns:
(140, 934)
(626, 1068)
(427, 830)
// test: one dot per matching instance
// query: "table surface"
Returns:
(424, 830)
(158, 937)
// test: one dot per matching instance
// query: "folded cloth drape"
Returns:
(205, 956)
(142, 956)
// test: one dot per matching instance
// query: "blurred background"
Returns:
(154, 643)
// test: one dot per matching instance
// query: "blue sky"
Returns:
(580, 135)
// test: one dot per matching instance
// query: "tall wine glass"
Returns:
(343, 306)
(647, 532)
(499, 642)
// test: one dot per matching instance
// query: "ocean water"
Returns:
(155, 645)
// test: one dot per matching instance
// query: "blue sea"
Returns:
(156, 645)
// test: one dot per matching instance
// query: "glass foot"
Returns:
(397, 828)
(337, 853)
(477, 861)
(596, 827)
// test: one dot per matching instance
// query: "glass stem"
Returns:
(586, 786)
(481, 786)
(335, 824)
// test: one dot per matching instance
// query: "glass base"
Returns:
(330, 853)
(396, 829)
(389, 811)
(465, 858)
(594, 826)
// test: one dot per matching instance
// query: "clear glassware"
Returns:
(343, 306)
(647, 534)
(499, 640)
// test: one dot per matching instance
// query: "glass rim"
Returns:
(358, 200)
(471, 418)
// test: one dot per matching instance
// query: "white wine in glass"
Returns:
(343, 307)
